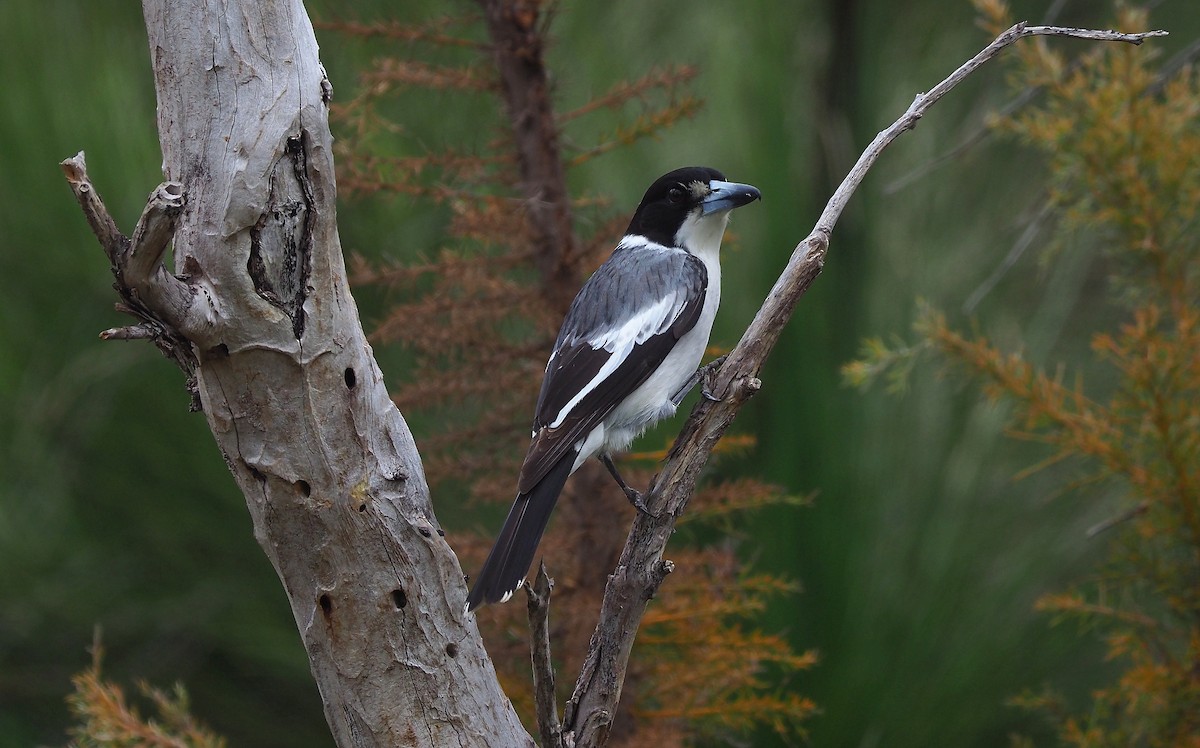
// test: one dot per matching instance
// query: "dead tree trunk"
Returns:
(260, 308)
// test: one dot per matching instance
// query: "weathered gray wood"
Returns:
(288, 383)
(537, 605)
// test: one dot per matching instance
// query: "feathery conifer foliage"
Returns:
(1121, 138)
(478, 316)
(107, 718)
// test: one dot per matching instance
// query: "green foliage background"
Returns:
(921, 558)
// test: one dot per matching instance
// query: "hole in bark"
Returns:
(452, 649)
(218, 351)
(399, 599)
(326, 605)
(351, 380)
(424, 531)
(258, 476)
(362, 507)
(303, 487)
(192, 269)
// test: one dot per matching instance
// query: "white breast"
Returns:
(651, 401)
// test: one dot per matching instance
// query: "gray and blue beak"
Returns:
(727, 196)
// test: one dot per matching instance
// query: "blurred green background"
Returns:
(921, 558)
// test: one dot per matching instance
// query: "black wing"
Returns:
(622, 324)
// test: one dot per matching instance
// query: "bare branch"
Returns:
(115, 243)
(641, 568)
(133, 332)
(154, 232)
(538, 606)
(1018, 102)
(1100, 35)
(922, 102)
(149, 290)
(167, 308)
(137, 263)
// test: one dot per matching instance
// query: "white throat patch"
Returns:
(701, 235)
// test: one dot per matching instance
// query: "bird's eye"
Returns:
(675, 194)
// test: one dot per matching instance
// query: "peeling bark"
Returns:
(281, 241)
(288, 382)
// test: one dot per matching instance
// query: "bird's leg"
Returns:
(702, 373)
(705, 374)
(677, 398)
(635, 497)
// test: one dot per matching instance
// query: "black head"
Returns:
(693, 192)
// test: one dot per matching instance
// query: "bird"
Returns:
(626, 355)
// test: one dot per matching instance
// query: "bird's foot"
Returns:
(703, 374)
(635, 497)
(638, 499)
(708, 375)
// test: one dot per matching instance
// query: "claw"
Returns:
(703, 374)
(635, 497)
(708, 373)
(639, 502)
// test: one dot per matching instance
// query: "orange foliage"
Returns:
(107, 719)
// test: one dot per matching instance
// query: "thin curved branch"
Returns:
(642, 569)
(1169, 70)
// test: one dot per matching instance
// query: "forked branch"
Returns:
(168, 309)
(641, 568)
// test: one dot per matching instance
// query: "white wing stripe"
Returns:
(638, 329)
(609, 367)
(620, 341)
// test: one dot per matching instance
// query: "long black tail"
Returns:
(511, 556)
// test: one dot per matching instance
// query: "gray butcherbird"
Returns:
(626, 355)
